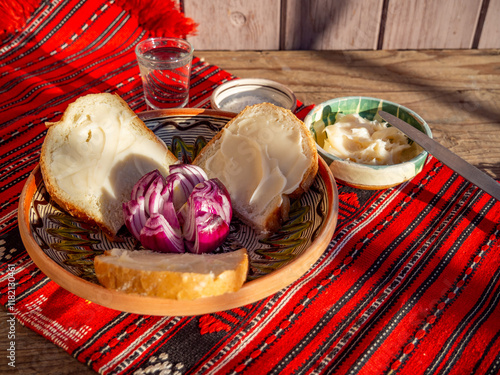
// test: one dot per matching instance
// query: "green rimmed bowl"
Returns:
(364, 176)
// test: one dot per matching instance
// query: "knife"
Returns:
(459, 165)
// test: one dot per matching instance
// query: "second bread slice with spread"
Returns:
(264, 156)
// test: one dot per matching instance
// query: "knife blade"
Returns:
(456, 163)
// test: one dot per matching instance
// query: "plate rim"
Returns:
(251, 291)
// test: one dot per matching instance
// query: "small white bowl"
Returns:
(364, 176)
(235, 95)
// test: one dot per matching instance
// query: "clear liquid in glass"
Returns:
(165, 73)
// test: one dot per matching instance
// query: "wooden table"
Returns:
(456, 91)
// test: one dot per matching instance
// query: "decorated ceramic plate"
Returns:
(64, 247)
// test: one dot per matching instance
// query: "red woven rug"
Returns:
(410, 283)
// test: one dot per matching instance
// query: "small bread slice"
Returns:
(174, 276)
(264, 156)
(94, 155)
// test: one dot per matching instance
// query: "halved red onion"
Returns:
(210, 231)
(193, 173)
(212, 196)
(177, 189)
(206, 217)
(183, 211)
(169, 212)
(153, 193)
(142, 185)
(158, 235)
(135, 216)
(153, 203)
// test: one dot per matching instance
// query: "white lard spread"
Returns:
(90, 155)
(259, 159)
(362, 141)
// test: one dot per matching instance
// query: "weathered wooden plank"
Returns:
(341, 24)
(331, 25)
(430, 24)
(490, 35)
(235, 24)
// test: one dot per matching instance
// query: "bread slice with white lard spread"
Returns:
(94, 155)
(264, 156)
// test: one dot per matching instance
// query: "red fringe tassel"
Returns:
(161, 17)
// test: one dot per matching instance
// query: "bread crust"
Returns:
(275, 217)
